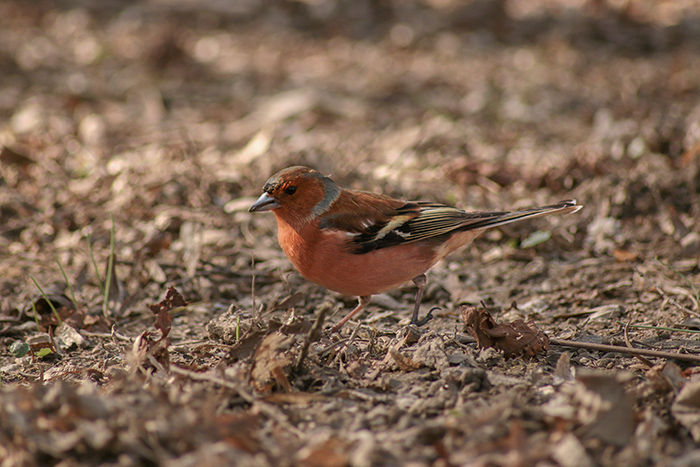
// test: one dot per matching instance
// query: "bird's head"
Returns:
(297, 194)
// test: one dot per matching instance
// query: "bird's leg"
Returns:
(363, 302)
(420, 282)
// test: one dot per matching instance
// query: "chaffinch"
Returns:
(360, 244)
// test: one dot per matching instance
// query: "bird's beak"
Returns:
(264, 203)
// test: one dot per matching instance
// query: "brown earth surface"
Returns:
(137, 134)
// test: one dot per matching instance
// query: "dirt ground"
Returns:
(135, 135)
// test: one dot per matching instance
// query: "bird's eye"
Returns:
(290, 190)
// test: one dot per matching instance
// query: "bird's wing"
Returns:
(374, 221)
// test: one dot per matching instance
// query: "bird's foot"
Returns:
(423, 321)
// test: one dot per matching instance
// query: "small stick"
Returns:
(323, 353)
(314, 333)
(615, 348)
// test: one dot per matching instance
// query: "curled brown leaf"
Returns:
(162, 309)
(270, 360)
(514, 338)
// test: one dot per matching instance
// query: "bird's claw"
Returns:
(426, 318)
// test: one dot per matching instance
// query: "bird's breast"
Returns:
(326, 257)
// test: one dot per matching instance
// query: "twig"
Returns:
(107, 335)
(664, 328)
(400, 342)
(353, 334)
(615, 348)
(347, 340)
(314, 333)
(323, 353)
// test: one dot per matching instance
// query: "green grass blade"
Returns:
(70, 286)
(663, 328)
(36, 317)
(53, 308)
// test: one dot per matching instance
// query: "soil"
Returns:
(146, 318)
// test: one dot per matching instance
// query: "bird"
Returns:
(361, 244)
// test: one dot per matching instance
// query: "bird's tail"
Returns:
(562, 207)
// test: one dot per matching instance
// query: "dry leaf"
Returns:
(563, 370)
(402, 361)
(70, 337)
(605, 407)
(148, 345)
(569, 452)
(172, 300)
(515, 338)
(666, 377)
(269, 362)
(159, 242)
(622, 256)
(239, 430)
(41, 341)
(331, 453)
(245, 346)
(686, 408)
